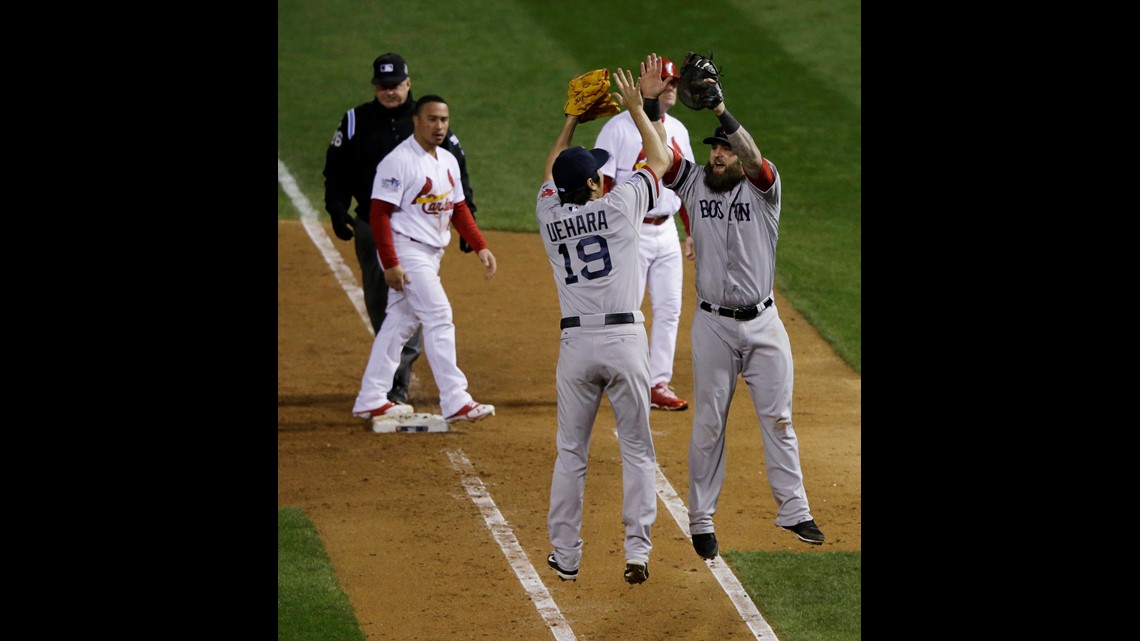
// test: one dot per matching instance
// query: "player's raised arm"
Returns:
(562, 142)
(656, 155)
(699, 88)
(652, 84)
(742, 142)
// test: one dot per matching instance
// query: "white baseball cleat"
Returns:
(472, 412)
(388, 409)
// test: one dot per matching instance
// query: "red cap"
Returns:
(668, 69)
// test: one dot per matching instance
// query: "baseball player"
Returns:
(416, 198)
(734, 205)
(592, 243)
(661, 266)
(365, 135)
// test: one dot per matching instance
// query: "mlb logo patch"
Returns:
(387, 67)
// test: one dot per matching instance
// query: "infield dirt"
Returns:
(412, 550)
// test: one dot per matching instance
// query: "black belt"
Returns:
(611, 319)
(742, 314)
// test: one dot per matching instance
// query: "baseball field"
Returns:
(443, 536)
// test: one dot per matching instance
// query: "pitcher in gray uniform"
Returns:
(734, 210)
(592, 242)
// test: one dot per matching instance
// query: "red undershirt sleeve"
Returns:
(656, 184)
(609, 184)
(380, 217)
(671, 172)
(465, 224)
(766, 178)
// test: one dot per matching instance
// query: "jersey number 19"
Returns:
(590, 249)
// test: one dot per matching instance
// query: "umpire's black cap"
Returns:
(575, 165)
(389, 69)
(719, 136)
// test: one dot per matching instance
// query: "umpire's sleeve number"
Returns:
(590, 250)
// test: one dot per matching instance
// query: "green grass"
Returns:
(310, 604)
(804, 597)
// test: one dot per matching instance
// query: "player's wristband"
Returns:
(652, 109)
(728, 122)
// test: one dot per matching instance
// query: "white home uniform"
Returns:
(423, 190)
(662, 265)
(737, 330)
(593, 251)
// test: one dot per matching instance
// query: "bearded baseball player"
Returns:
(734, 207)
(661, 266)
(592, 243)
(416, 197)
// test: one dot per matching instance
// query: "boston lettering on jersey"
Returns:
(588, 223)
(712, 209)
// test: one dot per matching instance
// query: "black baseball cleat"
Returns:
(705, 545)
(565, 575)
(808, 531)
(636, 572)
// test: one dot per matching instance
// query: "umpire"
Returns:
(366, 134)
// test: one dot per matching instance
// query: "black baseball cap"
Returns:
(719, 136)
(575, 165)
(390, 69)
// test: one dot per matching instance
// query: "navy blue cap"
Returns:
(575, 165)
(719, 136)
(389, 69)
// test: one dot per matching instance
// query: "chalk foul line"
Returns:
(517, 558)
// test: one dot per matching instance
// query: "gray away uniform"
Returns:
(737, 330)
(594, 253)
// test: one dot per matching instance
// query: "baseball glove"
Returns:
(602, 107)
(693, 88)
(588, 96)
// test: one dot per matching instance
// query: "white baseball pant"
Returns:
(662, 268)
(425, 302)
